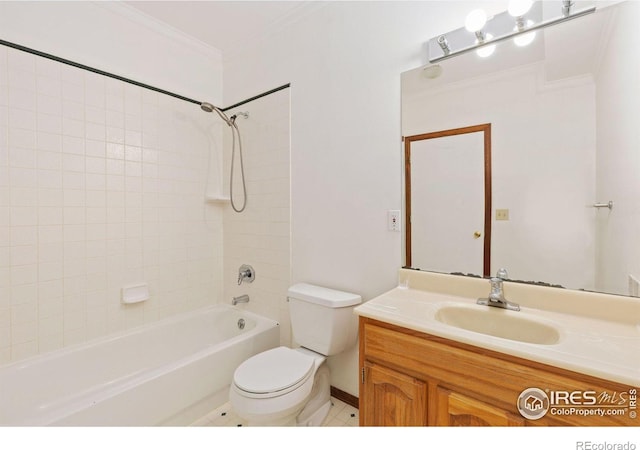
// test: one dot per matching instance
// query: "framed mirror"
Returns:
(564, 146)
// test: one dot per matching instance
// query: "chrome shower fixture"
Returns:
(244, 114)
(246, 273)
(208, 107)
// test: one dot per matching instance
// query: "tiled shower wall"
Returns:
(101, 185)
(260, 236)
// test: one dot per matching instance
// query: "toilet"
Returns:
(291, 387)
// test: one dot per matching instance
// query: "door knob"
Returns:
(477, 234)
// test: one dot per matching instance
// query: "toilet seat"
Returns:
(273, 373)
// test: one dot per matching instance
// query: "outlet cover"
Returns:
(502, 214)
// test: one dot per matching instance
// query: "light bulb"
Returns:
(487, 50)
(518, 8)
(475, 20)
(522, 40)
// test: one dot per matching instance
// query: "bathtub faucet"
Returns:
(246, 273)
(240, 299)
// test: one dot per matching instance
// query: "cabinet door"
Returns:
(392, 398)
(455, 409)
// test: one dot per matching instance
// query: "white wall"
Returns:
(618, 157)
(543, 166)
(344, 63)
(101, 183)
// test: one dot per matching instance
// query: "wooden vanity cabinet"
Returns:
(397, 398)
(409, 378)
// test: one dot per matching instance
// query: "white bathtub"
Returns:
(168, 373)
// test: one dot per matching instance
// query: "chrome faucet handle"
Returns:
(502, 273)
(496, 297)
(246, 273)
(496, 289)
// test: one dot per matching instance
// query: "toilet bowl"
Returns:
(274, 387)
(285, 386)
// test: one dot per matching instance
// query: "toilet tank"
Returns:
(322, 319)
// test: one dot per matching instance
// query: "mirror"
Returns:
(564, 143)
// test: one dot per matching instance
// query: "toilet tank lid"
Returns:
(323, 296)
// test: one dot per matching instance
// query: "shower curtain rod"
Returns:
(128, 80)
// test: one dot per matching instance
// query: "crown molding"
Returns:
(134, 15)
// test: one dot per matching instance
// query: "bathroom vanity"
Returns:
(566, 358)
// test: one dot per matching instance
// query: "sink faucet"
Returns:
(496, 296)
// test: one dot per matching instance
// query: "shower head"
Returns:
(208, 107)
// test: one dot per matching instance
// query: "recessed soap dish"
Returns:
(135, 293)
(219, 199)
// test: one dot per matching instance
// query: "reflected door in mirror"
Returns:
(446, 200)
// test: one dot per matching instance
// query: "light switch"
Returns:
(393, 220)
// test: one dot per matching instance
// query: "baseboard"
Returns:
(349, 399)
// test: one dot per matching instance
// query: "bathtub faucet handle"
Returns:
(246, 273)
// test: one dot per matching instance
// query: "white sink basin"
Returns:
(499, 323)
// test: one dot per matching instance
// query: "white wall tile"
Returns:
(20, 157)
(85, 209)
(49, 141)
(260, 235)
(49, 104)
(49, 160)
(26, 274)
(49, 86)
(22, 138)
(72, 109)
(72, 92)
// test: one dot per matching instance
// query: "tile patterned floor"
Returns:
(340, 415)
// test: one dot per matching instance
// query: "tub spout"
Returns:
(240, 299)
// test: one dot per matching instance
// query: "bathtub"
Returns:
(168, 373)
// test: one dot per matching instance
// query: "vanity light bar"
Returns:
(501, 26)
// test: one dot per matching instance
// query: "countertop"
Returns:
(603, 348)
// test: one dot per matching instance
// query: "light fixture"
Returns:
(566, 7)
(486, 50)
(444, 45)
(518, 8)
(479, 28)
(524, 39)
(474, 23)
(476, 20)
